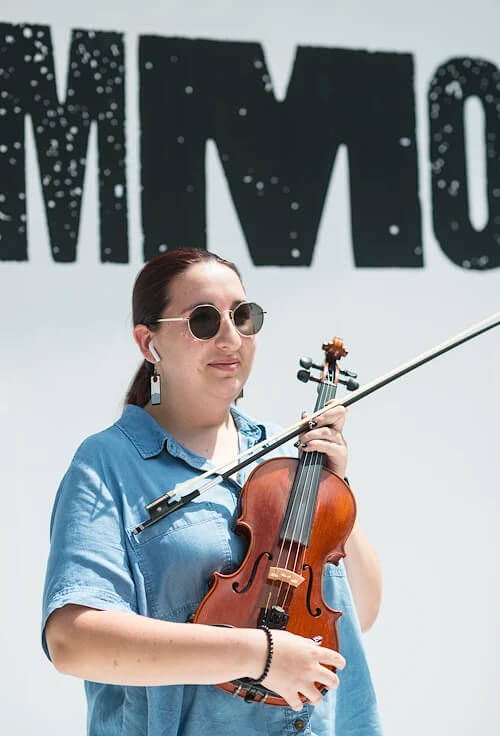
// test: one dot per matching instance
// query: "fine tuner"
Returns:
(307, 364)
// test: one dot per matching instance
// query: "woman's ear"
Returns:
(143, 337)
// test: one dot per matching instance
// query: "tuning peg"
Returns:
(349, 383)
(307, 363)
(303, 375)
(349, 373)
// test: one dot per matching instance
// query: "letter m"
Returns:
(278, 156)
(94, 92)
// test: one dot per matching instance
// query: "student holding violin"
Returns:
(118, 604)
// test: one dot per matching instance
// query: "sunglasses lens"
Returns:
(248, 318)
(204, 322)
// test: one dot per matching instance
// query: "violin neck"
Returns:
(297, 522)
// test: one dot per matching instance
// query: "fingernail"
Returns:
(312, 423)
(296, 444)
(304, 444)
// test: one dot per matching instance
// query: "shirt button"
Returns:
(299, 724)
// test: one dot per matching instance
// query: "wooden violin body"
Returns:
(279, 582)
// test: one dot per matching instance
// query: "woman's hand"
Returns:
(297, 664)
(326, 437)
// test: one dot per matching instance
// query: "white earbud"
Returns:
(152, 350)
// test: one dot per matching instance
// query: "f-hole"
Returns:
(254, 572)
(309, 588)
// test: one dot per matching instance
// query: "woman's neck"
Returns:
(206, 428)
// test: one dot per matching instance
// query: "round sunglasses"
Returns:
(205, 320)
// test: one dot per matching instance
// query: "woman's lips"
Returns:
(226, 366)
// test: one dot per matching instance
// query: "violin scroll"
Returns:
(334, 350)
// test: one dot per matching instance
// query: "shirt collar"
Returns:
(149, 437)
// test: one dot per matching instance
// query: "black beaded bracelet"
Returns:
(270, 649)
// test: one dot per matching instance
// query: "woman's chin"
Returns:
(227, 391)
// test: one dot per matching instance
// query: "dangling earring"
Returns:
(155, 387)
(155, 378)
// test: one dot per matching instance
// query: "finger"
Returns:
(290, 696)
(323, 433)
(335, 416)
(332, 449)
(312, 422)
(312, 694)
(294, 701)
(327, 678)
(330, 656)
(335, 402)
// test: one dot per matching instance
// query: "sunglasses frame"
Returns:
(221, 314)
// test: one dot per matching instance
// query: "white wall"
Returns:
(424, 452)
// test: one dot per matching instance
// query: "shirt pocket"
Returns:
(178, 555)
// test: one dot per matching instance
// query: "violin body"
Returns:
(279, 582)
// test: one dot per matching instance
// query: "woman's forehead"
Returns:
(208, 283)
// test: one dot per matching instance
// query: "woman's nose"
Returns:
(228, 334)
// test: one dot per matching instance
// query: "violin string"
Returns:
(301, 549)
(303, 471)
(299, 515)
(330, 391)
(301, 479)
(304, 482)
(294, 512)
(308, 483)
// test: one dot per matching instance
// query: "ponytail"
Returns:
(139, 391)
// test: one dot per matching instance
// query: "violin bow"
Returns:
(186, 492)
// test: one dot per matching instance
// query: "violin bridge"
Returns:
(285, 576)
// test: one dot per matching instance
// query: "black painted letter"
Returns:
(453, 82)
(278, 156)
(95, 91)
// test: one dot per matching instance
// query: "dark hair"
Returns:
(150, 297)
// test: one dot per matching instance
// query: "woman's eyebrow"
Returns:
(192, 306)
(198, 304)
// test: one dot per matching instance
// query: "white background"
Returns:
(424, 451)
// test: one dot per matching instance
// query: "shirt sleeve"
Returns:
(88, 560)
(357, 709)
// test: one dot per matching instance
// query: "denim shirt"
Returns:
(163, 572)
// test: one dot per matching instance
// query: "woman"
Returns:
(116, 603)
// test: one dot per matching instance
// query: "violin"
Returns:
(295, 516)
